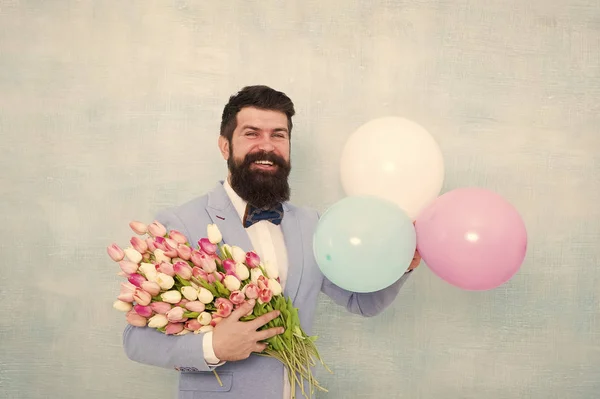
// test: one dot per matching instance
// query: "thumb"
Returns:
(243, 310)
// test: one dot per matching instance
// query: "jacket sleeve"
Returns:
(148, 346)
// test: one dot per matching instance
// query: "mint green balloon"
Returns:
(364, 243)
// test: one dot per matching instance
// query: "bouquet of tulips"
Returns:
(178, 289)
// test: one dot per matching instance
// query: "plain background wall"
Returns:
(109, 111)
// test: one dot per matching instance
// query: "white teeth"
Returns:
(264, 162)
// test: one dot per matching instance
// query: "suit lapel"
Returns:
(290, 226)
(223, 214)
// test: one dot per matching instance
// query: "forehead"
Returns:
(262, 119)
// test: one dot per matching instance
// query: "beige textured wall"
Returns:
(109, 111)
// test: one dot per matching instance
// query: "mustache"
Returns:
(265, 156)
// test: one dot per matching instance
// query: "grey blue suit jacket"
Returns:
(257, 376)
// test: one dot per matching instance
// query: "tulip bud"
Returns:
(133, 255)
(122, 306)
(128, 267)
(165, 281)
(170, 248)
(229, 266)
(242, 272)
(171, 296)
(150, 243)
(149, 271)
(224, 307)
(184, 252)
(160, 256)
(135, 319)
(265, 296)
(173, 328)
(115, 252)
(144, 311)
(183, 270)
(271, 269)
(166, 268)
(204, 318)
(151, 288)
(142, 297)
(252, 259)
(136, 279)
(213, 233)
(238, 254)
(275, 286)
(192, 325)
(251, 291)
(158, 321)
(138, 244)
(160, 243)
(161, 307)
(232, 283)
(138, 227)
(195, 306)
(177, 237)
(156, 229)
(206, 246)
(175, 315)
(205, 329)
(255, 274)
(189, 293)
(237, 297)
(205, 295)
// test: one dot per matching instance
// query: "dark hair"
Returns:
(262, 97)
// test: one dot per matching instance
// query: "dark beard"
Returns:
(259, 188)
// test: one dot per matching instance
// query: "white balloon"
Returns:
(396, 159)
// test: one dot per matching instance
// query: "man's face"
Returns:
(258, 156)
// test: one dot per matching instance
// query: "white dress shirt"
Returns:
(268, 242)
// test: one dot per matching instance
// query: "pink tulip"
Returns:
(171, 248)
(150, 243)
(262, 282)
(215, 320)
(210, 277)
(126, 297)
(177, 236)
(142, 297)
(166, 268)
(206, 246)
(146, 256)
(160, 243)
(138, 227)
(174, 328)
(224, 307)
(252, 259)
(136, 279)
(237, 297)
(156, 229)
(183, 270)
(175, 315)
(192, 325)
(198, 273)
(184, 252)
(161, 307)
(218, 276)
(151, 287)
(183, 302)
(115, 252)
(135, 319)
(144, 311)
(195, 306)
(265, 295)
(251, 291)
(128, 267)
(229, 267)
(138, 244)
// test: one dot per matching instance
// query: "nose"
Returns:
(266, 145)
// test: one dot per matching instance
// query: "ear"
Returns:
(224, 147)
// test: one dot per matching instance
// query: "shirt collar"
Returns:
(238, 203)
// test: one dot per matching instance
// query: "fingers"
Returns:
(260, 347)
(268, 333)
(242, 310)
(264, 319)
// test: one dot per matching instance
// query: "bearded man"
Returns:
(252, 210)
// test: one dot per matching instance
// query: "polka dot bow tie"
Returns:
(255, 215)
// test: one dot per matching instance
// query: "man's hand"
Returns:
(236, 340)
(415, 262)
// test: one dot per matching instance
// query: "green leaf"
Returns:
(183, 281)
(191, 314)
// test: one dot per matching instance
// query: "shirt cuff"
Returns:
(207, 347)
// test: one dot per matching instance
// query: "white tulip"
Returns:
(238, 254)
(227, 247)
(189, 293)
(214, 235)
(271, 269)
(122, 306)
(149, 271)
(204, 329)
(160, 256)
(183, 332)
(255, 274)
(165, 281)
(171, 296)
(205, 295)
(133, 255)
(242, 271)
(275, 286)
(158, 321)
(204, 318)
(231, 283)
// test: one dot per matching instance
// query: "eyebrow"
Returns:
(279, 129)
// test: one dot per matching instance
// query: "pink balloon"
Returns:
(472, 238)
